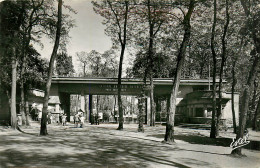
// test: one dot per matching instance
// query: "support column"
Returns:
(65, 104)
(194, 111)
(91, 109)
(148, 100)
(57, 108)
(205, 111)
(82, 101)
(86, 108)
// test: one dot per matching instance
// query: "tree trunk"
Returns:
(152, 108)
(245, 102)
(141, 108)
(150, 70)
(253, 104)
(27, 113)
(223, 60)
(254, 126)
(115, 108)
(120, 109)
(213, 120)
(13, 92)
(123, 45)
(43, 130)
(252, 74)
(234, 82)
(22, 105)
(169, 135)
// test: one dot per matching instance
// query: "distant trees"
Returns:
(64, 66)
(95, 64)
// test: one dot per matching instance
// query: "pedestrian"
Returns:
(40, 115)
(64, 119)
(81, 118)
(60, 118)
(76, 120)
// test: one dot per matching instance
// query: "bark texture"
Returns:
(43, 130)
(169, 135)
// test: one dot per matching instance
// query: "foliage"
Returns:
(64, 66)
(97, 64)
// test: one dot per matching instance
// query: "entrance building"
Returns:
(191, 106)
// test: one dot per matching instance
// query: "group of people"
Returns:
(79, 120)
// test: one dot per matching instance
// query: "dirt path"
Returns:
(103, 146)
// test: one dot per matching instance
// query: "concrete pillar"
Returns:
(57, 108)
(90, 109)
(148, 111)
(205, 111)
(82, 101)
(194, 111)
(65, 104)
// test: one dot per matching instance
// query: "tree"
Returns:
(30, 17)
(43, 130)
(82, 57)
(64, 66)
(10, 27)
(155, 21)
(223, 60)
(214, 56)
(169, 134)
(116, 15)
(252, 22)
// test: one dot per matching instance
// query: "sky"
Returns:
(87, 35)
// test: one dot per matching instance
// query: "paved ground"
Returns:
(104, 146)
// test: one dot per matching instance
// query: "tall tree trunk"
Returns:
(223, 60)
(234, 82)
(253, 104)
(254, 125)
(27, 113)
(22, 105)
(25, 46)
(115, 104)
(13, 92)
(43, 130)
(123, 45)
(214, 56)
(169, 135)
(150, 56)
(141, 108)
(120, 109)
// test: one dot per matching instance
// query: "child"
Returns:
(76, 120)
(82, 118)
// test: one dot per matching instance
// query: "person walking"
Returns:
(64, 119)
(76, 120)
(81, 118)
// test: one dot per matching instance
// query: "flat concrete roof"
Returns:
(132, 81)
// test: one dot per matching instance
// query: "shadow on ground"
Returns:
(203, 140)
(81, 148)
